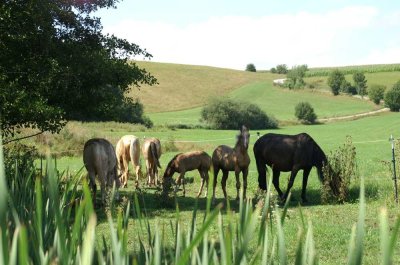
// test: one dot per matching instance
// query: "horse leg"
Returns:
(138, 172)
(202, 183)
(245, 172)
(223, 182)
(182, 179)
(262, 174)
(237, 172)
(291, 181)
(148, 172)
(92, 185)
(206, 178)
(216, 170)
(103, 178)
(306, 173)
(126, 173)
(275, 181)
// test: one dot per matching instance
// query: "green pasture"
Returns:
(332, 224)
(278, 102)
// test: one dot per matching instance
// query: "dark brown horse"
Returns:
(235, 159)
(184, 162)
(287, 153)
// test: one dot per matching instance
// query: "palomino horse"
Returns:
(184, 162)
(235, 159)
(128, 149)
(99, 159)
(151, 150)
(288, 153)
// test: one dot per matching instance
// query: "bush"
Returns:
(305, 112)
(281, 69)
(19, 159)
(360, 83)
(335, 81)
(251, 68)
(376, 93)
(339, 172)
(273, 70)
(392, 97)
(230, 114)
(347, 88)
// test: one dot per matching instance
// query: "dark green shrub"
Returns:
(19, 159)
(347, 88)
(360, 83)
(339, 172)
(392, 97)
(305, 112)
(251, 68)
(273, 70)
(281, 69)
(230, 114)
(335, 81)
(376, 93)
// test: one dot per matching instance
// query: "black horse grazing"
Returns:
(287, 153)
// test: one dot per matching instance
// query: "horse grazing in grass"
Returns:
(128, 149)
(288, 153)
(235, 159)
(100, 160)
(184, 162)
(151, 153)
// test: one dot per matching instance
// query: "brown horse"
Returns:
(128, 149)
(288, 153)
(99, 159)
(151, 150)
(184, 162)
(235, 159)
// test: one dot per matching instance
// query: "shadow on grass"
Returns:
(152, 204)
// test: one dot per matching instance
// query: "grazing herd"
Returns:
(280, 152)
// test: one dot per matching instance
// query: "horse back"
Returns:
(193, 160)
(282, 152)
(99, 156)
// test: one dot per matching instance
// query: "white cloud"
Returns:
(234, 41)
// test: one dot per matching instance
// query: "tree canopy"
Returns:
(57, 65)
(335, 81)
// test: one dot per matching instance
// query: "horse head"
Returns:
(243, 137)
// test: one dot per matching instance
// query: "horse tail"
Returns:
(133, 151)
(153, 150)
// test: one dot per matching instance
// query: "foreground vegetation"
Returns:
(62, 228)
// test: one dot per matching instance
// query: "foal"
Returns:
(182, 163)
(235, 159)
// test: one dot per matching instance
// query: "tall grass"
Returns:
(55, 223)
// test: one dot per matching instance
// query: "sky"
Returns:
(234, 33)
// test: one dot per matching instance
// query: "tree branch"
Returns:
(21, 138)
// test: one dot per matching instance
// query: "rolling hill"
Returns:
(184, 89)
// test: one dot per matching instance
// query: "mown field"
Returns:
(178, 100)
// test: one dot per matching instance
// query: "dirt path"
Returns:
(365, 114)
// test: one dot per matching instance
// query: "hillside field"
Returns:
(184, 89)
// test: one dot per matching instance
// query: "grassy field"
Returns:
(187, 86)
(332, 223)
(183, 89)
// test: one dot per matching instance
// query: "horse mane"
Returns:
(172, 160)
